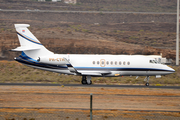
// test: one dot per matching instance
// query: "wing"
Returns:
(70, 67)
(100, 73)
(87, 73)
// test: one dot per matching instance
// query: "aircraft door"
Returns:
(152, 62)
(102, 63)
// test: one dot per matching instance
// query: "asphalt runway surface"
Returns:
(93, 85)
(104, 12)
(128, 97)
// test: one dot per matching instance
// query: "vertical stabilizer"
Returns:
(30, 45)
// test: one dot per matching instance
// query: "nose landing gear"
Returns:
(147, 80)
(147, 84)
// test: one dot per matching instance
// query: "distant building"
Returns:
(49, 0)
(70, 1)
(55, 0)
(160, 59)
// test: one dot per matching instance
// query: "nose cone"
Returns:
(171, 70)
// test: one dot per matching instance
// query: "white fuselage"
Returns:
(110, 65)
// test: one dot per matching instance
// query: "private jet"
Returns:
(34, 54)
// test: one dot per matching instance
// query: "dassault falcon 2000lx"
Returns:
(35, 55)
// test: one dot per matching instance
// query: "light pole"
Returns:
(177, 35)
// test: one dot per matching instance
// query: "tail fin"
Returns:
(30, 45)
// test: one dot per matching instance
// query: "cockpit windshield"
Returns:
(151, 61)
(154, 61)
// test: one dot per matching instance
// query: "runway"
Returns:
(104, 12)
(86, 109)
(93, 85)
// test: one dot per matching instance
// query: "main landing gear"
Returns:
(147, 80)
(86, 80)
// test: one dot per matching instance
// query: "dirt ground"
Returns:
(61, 102)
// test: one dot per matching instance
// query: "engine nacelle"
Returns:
(54, 60)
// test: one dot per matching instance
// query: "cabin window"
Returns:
(128, 63)
(120, 63)
(93, 62)
(115, 63)
(102, 62)
(107, 62)
(111, 62)
(98, 62)
(124, 63)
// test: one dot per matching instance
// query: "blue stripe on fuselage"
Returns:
(119, 69)
(23, 58)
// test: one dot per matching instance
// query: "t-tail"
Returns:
(34, 54)
(30, 46)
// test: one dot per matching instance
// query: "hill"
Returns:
(94, 5)
(95, 33)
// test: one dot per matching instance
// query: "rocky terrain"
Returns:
(91, 33)
(94, 5)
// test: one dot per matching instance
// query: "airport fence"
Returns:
(32, 113)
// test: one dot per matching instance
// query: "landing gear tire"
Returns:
(84, 82)
(147, 84)
(89, 83)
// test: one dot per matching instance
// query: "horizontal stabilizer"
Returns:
(24, 48)
(21, 25)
